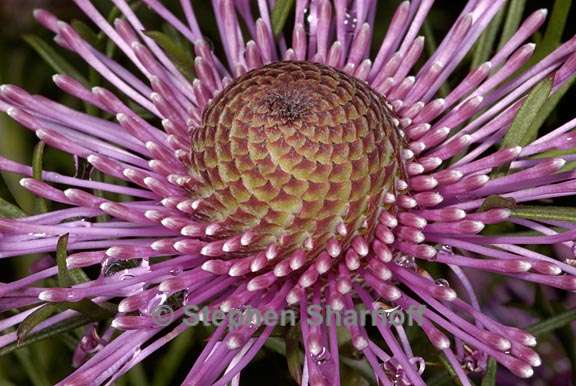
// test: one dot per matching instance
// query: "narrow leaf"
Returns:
(87, 33)
(90, 309)
(276, 345)
(35, 318)
(553, 323)
(485, 44)
(449, 368)
(280, 15)
(495, 202)
(513, 19)
(489, 378)
(431, 46)
(523, 129)
(67, 277)
(137, 376)
(32, 367)
(548, 308)
(362, 367)
(179, 54)
(170, 362)
(112, 15)
(554, 30)
(554, 213)
(293, 355)
(352, 377)
(8, 210)
(41, 205)
(64, 279)
(59, 328)
(550, 104)
(53, 58)
(91, 312)
(37, 161)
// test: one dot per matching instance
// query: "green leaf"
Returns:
(495, 202)
(551, 103)
(513, 19)
(67, 277)
(64, 278)
(41, 205)
(87, 33)
(35, 318)
(554, 30)
(53, 58)
(548, 310)
(8, 210)
(485, 44)
(431, 46)
(59, 328)
(90, 309)
(86, 307)
(569, 167)
(178, 53)
(114, 13)
(555, 213)
(553, 323)
(96, 40)
(449, 368)
(276, 345)
(30, 365)
(280, 15)
(293, 354)
(524, 128)
(169, 363)
(137, 376)
(565, 336)
(489, 378)
(352, 377)
(440, 379)
(37, 161)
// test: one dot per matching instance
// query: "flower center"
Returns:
(296, 155)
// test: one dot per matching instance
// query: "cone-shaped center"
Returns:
(297, 152)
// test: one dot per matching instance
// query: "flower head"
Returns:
(296, 170)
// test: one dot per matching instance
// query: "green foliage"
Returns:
(524, 128)
(449, 369)
(554, 322)
(484, 47)
(28, 360)
(173, 358)
(8, 210)
(489, 378)
(53, 58)
(294, 354)
(513, 18)
(67, 277)
(180, 54)
(35, 318)
(552, 213)
(431, 46)
(57, 329)
(554, 30)
(41, 205)
(280, 14)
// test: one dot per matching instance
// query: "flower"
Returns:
(297, 170)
